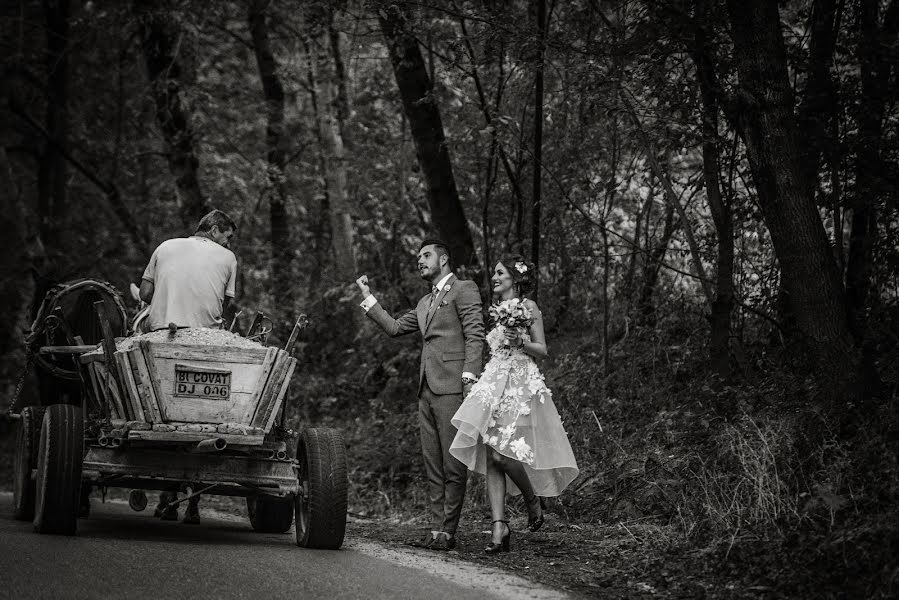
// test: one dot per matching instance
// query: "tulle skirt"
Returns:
(511, 410)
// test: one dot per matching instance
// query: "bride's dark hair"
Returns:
(522, 271)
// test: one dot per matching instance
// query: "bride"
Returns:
(508, 426)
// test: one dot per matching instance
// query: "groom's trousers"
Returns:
(447, 477)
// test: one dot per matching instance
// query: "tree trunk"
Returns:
(606, 309)
(335, 205)
(52, 176)
(816, 113)
(426, 126)
(14, 267)
(631, 272)
(342, 101)
(161, 36)
(875, 71)
(335, 110)
(320, 225)
(723, 303)
(645, 305)
(333, 165)
(538, 140)
(336, 181)
(809, 273)
(277, 144)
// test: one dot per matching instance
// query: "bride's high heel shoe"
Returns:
(535, 521)
(503, 545)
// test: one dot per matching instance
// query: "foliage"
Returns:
(725, 463)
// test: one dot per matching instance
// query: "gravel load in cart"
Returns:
(200, 411)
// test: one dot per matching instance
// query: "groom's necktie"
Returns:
(434, 290)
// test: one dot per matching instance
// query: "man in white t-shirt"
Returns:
(189, 282)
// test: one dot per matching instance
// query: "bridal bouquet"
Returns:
(512, 314)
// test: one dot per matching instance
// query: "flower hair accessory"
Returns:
(521, 267)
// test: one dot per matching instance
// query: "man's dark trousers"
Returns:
(447, 477)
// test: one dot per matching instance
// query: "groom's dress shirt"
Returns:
(370, 301)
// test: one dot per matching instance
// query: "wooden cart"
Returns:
(165, 412)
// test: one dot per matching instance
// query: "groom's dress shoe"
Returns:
(444, 542)
(427, 541)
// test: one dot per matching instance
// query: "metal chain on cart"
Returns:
(13, 410)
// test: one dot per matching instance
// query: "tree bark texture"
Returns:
(723, 303)
(14, 267)
(277, 144)
(808, 271)
(342, 100)
(817, 112)
(332, 160)
(874, 42)
(161, 41)
(320, 230)
(536, 194)
(52, 175)
(426, 126)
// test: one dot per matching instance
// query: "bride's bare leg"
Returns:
(496, 494)
(515, 471)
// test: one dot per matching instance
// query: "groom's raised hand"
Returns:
(362, 282)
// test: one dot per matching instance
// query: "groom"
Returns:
(452, 327)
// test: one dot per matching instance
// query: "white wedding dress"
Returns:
(511, 409)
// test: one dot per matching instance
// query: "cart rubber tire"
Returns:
(59, 459)
(270, 514)
(25, 460)
(321, 504)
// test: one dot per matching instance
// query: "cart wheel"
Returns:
(321, 503)
(25, 460)
(59, 459)
(270, 514)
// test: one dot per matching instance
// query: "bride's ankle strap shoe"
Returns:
(503, 545)
(535, 522)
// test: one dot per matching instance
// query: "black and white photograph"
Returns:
(449, 299)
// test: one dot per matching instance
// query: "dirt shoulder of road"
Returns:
(581, 561)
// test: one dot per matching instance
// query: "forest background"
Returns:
(709, 190)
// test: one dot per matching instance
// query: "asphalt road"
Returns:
(120, 553)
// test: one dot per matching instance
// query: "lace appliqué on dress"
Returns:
(510, 383)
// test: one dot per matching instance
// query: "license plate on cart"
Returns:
(192, 381)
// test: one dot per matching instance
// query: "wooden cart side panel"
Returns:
(144, 385)
(196, 436)
(263, 406)
(132, 396)
(154, 377)
(138, 358)
(246, 366)
(282, 391)
(267, 402)
(236, 408)
(271, 357)
(107, 383)
(95, 386)
(226, 354)
(132, 358)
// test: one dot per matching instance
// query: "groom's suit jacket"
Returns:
(453, 334)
